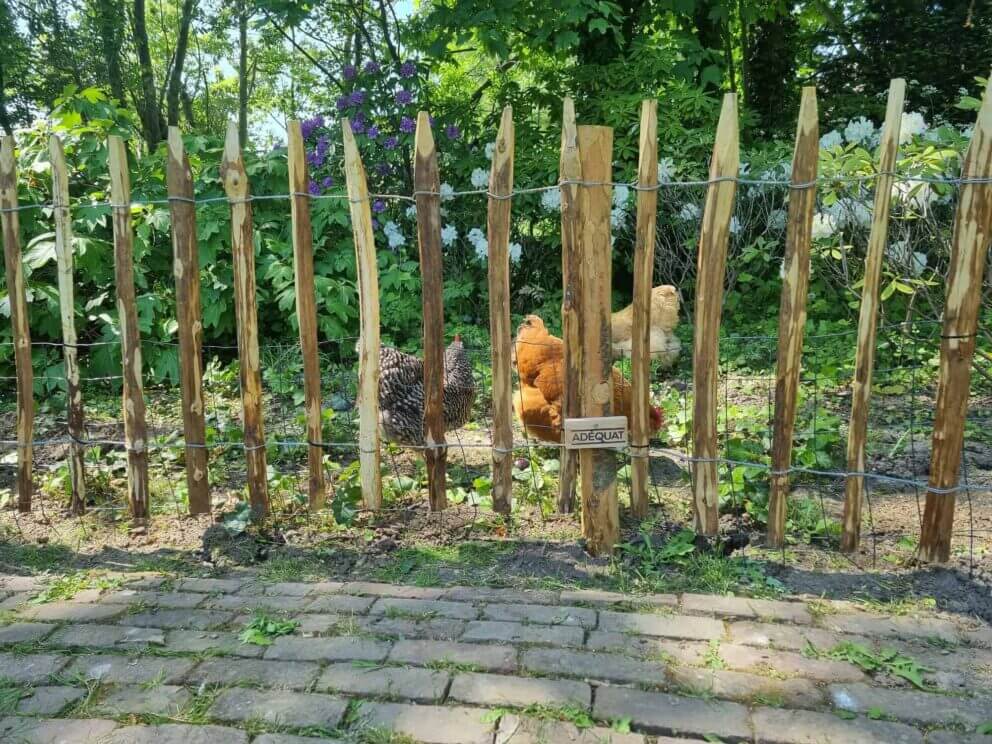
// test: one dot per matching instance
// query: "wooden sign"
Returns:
(603, 432)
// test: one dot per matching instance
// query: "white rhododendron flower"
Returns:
(901, 254)
(735, 225)
(480, 178)
(690, 212)
(449, 233)
(666, 170)
(913, 124)
(620, 196)
(849, 212)
(515, 252)
(776, 219)
(411, 211)
(393, 235)
(859, 131)
(490, 149)
(824, 226)
(831, 140)
(551, 200)
(447, 192)
(917, 195)
(617, 217)
(478, 239)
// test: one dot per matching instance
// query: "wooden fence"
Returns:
(585, 171)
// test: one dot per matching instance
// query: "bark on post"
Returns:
(135, 431)
(713, 240)
(969, 251)
(792, 308)
(368, 299)
(597, 467)
(640, 355)
(427, 185)
(306, 309)
(864, 360)
(186, 270)
(570, 170)
(67, 312)
(246, 312)
(18, 321)
(500, 189)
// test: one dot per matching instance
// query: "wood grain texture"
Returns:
(864, 359)
(14, 268)
(427, 184)
(501, 184)
(186, 271)
(792, 309)
(640, 356)
(570, 169)
(246, 313)
(306, 309)
(67, 313)
(713, 240)
(368, 344)
(135, 428)
(597, 467)
(969, 252)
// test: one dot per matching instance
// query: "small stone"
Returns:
(72, 612)
(668, 650)
(122, 670)
(55, 731)
(24, 632)
(279, 708)
(505, 632)
(391, 590)
(159, 700)
(31, 669)
(541, 614)
(660, 713)
(476, 656)
(286, 674)
(175, 733)
(670, 626)
(437, 629)
(340, 648)
(747, 688)
(496, 690)
(779, 726)
(423, 608)
(106, 636)
(912, 706)
(49, 701)
(342, 604)
(209, 586)
(593, 666)
(418, 685)
(430, 724)
(175, 600)
(515, 729)
(196, 619)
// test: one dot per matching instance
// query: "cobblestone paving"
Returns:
(160, 660)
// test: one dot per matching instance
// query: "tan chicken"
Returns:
(541, 368)
(665, 345)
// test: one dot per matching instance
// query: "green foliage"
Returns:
(886, 661)
(69, 585)
(262, 630)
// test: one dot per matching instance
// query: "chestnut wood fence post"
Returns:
(135, 429)
(427, 185)
(640, 355)
(969, 251)
(792, 308)
(368, 299)
(864, 359)
(14, 267)
(246, 313)
(306, 308)
(500, 189)
(713, 240)
(186, 270)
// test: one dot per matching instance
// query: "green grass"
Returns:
(10, 695)
(291, 568)
(262, 630)
(886, 661)
(573, 714)
(472, 562)
(35, 558)
(69, 585)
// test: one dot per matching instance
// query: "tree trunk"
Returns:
(188, 107)
(770, 68)
(109, 20)
(176, 78)
(151, 117)
(4, 114)
(243, 73)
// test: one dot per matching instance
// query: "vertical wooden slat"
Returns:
(427, 184)
(792, 308)
(18, 320)
(306, 308)
(186, 270)
(864, 360)
(713, 239)
(501, 185)
(969, 250)
(67, 312)
(640, 356)
(570, 169)
(246, 313)
(597, 467)
(368, 299)
(135, 431)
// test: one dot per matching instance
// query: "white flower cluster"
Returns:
(478, 240)
(449, 234)
(551, 200)
(666, 170)
(824, 225)
(917, 195)
(900, 253)
(516, 250)
(777, 219)
(859, 131)
(480, 178)
(847, 212)
(490, 149)
(913, 124)
(690, 212)
(393, 235)
(447, 192)
(621, 197)
(831, 140)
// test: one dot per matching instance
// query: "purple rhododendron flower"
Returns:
(341, 103)
(313, 188)
(349, 72)
(372, 132)
(323, 144)
(307, 126)
(358, 127)
(372, 67)
(378, 206)
(357, 97)
(403, 97)
(430, 119)
(375, 224)
(452, 131)
(327, 182)
(359, 116)
(407, 125)
(382, 168)
(390, 142)
(408, 69)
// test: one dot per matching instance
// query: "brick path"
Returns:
(160, 661)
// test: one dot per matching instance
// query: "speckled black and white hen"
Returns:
(401, 393)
